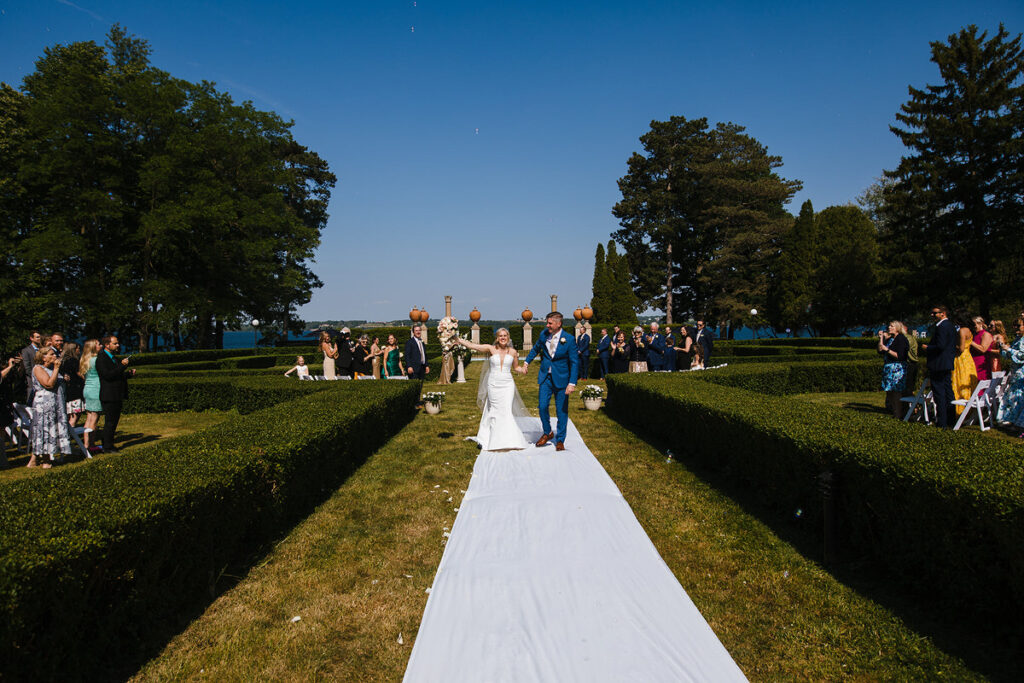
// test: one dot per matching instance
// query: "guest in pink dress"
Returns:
(979, 347)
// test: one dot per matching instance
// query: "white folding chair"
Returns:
(399, 377)
(307, 377)
(973, 405)
(994, 396)
(922, 398)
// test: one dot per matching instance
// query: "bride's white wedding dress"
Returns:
(498, 398)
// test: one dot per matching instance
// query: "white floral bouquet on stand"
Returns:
(447, 333)
(592, 391)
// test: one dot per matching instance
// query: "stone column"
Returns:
(474, 334)
(579, 328)
(527, 336)
(554, 303)
(448, 306)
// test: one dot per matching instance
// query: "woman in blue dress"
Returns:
(1011, 407)
(893, 347)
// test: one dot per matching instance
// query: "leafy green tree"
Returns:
(793, 286)
(845, 278)
(956, 202)
(701, 215)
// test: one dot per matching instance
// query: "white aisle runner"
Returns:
(548, 576)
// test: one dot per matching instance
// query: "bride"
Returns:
(497, 396)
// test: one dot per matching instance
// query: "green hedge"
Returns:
(172, 393)
(780, 379)
(943, 511)
(97, 563)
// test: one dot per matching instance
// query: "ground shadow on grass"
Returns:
(991, 647)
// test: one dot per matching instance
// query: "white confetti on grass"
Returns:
(401, 641)
(296, 619)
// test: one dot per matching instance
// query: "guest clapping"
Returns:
(362, 364)
(636, 351)
(619, 354)
(50, 431)
(980, 344)
(998, 332)
(1011, 408)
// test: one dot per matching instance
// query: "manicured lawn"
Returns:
(133, 430)
(356, 570)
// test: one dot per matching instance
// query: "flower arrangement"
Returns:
(435, 397)
(591, 391)
(459, 351)
(447, 333)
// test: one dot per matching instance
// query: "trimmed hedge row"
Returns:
(98, 562)
(943, 512)
(780, 379)
(171, 393)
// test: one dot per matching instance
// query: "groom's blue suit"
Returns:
(556, 373)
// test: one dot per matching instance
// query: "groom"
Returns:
(559, 367)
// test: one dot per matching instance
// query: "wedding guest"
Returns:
(416, 356)
(704, 338)
(28, 356)
(393, 366)
(685, 346)
(330, 351)
(636, 351)
(50, 432)
(618, 354)
(1011, 407)
(583, 354)
(965, 376)
(604, 353)
(73, 383)
(300, 368)
(910, 386)
(980, 344)
(90, 391)
(113, 388)
(362, 362)
(375, 354)
(344, 364)
(669, 359)
(941, 352)
(8, 375)
(998, 332)
(655, 344)
(892, 346)
(698, 357)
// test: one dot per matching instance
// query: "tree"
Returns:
(622, 302)
(956, 202)
(600, 300)
(793, 286)
(701, 216)
(845, 277)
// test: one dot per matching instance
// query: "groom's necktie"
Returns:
(552, 344)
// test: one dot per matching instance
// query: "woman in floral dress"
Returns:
(893, 347)
(50, 434)
(1011, 408)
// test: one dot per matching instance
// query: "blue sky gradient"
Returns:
(477, 144)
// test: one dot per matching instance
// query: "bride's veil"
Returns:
(518, 407)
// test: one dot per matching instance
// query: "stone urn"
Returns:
(588, 312)
(424, 316)
(592, 403)
(432, 408)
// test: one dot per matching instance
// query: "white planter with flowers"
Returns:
(432, 401)
(592, 396)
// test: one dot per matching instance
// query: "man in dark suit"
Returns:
(113, 388)
(704, 337)
(416, 355)
(583, 347)
(655, 349)
(28, 361)
(941, 354)
(604, 351)
(343, 364)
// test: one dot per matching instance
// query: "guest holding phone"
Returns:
(113, 388)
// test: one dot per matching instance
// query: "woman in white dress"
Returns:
(497, 396)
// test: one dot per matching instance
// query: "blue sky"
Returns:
(477, 144)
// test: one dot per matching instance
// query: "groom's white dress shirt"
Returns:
(553, 343)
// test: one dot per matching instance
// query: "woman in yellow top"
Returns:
(965, 373)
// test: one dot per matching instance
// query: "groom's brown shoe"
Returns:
(559, 446)
(544, 439)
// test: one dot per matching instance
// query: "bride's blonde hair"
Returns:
(498, 331)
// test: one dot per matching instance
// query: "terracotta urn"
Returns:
(578, 314)
(527, 315)
(588, 312)
(414, 314)
(474, 315)
(424, 316)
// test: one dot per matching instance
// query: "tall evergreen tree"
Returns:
(600, 300)
(845, 277)
(956, 203)
(792, 287)
(623, 302)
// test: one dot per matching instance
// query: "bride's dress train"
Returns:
(500, 402)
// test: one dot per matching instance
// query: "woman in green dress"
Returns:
(392, 359)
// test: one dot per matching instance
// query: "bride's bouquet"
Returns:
(447, 333)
